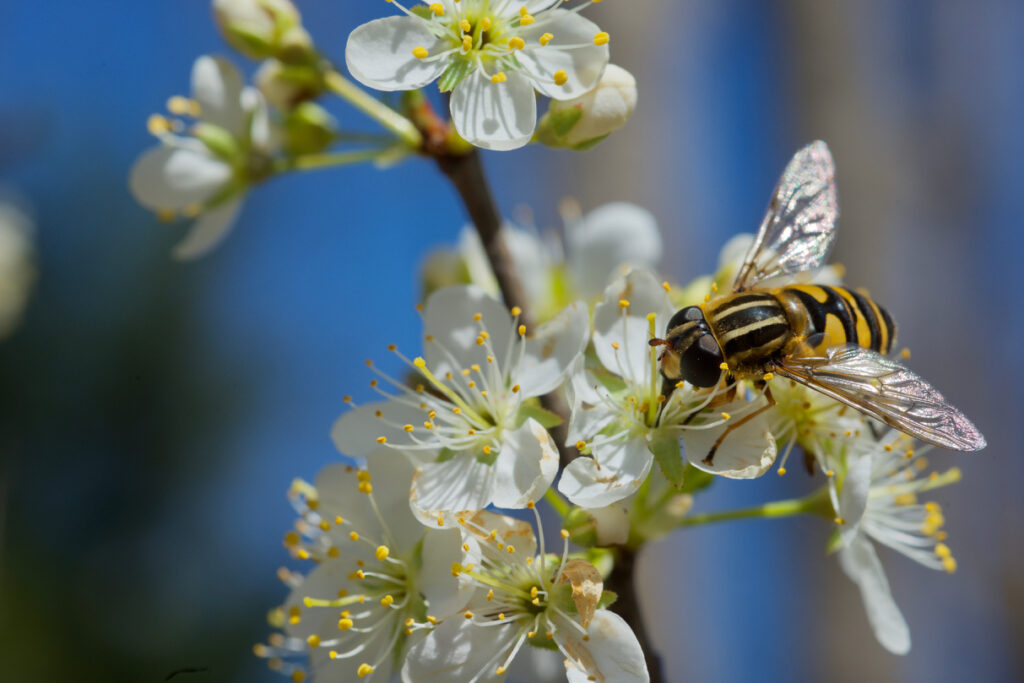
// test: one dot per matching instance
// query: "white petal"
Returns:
(391, 476)
(583, 66)
(356, 432)
(459, 651)
(448, 317)
(177, 175)
(611, 524)
(445, 593)
(499, 116)
(628, 327)
(608, 237)
(217, 87)
(623, 468)
(323, 582)
(532, 259)
(861, 564)
(532, 6)
(509, 530)
(461, 483)
(338, 495)
(379, 54)
(209, 230)
(473, 255)
(525, 467)
(610, 653)
(746, 453)
(853, 499)
(262, 133)
(553, 349)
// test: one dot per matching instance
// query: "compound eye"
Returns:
(700, 362)
(685, 315)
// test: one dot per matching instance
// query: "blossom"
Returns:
(378, 573)
(206, 172)
(623, 420)
(263, 28)
(469, 424)
(491, 54)
(17, 264)
(599, 244)
(880, 502)
(584, 121)
(524, 597)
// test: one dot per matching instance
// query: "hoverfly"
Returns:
(831, 339)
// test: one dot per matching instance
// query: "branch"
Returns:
(622, 581)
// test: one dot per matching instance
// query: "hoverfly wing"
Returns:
(799, 227)
(885, 390)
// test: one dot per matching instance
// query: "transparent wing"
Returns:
(798, 229)
(886, 391)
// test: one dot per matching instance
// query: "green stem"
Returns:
(815, 504)
(309, 162)
(560, 505)
(374, 108)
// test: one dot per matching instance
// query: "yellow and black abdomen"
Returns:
(836, 316)
(750, 327)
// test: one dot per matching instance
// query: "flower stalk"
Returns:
(817, 503)
(374, 108)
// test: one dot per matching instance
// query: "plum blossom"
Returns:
(622, 419)
(378, 572)
(524, 597)
(491, 54)
(879, 502)
(468, 423)
(204, 172)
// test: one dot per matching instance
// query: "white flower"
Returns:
(378, 573)
(17, 265)
(623, 420)
(584, 121)
(206, 172)
(492, 55)
(524, 597)
(606, 241)
(879, 502)
(475, 437)
(262, 28)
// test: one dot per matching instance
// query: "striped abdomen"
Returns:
(750, 327)
(841, 315)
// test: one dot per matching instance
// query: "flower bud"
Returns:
(309, 129)
(599, 527)
(286, 86)
(264, 28)
(582, 122)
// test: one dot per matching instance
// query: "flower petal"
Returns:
(448, 318)
(525, 467)
(356, 432)
(610, 652)
(209, 230)
(507, 530)
(391, 474)
(853, 500)
(461, 483)
(628, 328)
(176, 175)
(860, 562)
(746, 453)
(553, 349)
(445, 593)
(623, 467)
(608, 237)
(458, 650)
(499, 116)
(379, 54)
(217, 87)
(583, 66)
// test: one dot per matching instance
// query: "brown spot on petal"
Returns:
(587, 587)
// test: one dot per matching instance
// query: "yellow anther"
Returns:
(545, 38)
(157, 124)
(298, 676)
(387, 600)
(561, 77)
(428, 424)
(501, 670)
(526, 19)
(666, 286)
(726, 416)
(487, 450)
(485, 23)
(420, 52)
(534, 591)
(440, 520)
(467, 43)
(535, 601)
(714, 286)
(345, 623)
(333, 552)
(601, 38)
(707, 298)
(456, 411)
(292, 538)
(516, 43)
(499, 77)
(949, 564)
(782, 471)
(353, 535)
(905, 354)
(472, 384)
(165, 215)
(616, 345)
(531, 634)
(490, 594)
(840, 521)
(511, 549)
(516, 311)
(768, 377)
(942, 550)
(364, 670)
(530, 505)
(465, 26)
(623, 303)
(183, 106)
(365, 487)
(437, 8)
(723, 366)
(523, 11)
(462, 520)
(382, 552)
(419, 362)
(494, 534)
(408, 428)
(382, 439)
(580, 445)
(363, 475)
(431, 619)
(313, 640)
(522, 330)
(468, 615)
(302, 554)
(325, 525)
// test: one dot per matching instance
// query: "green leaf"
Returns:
(453, 75)
(669, 456)
(546, 418)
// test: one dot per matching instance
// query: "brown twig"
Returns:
(622, 581)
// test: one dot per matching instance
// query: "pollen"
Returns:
(298, 676)
(485, 24)
(723, 366)
(545, 38)
(516, 43)
(615, 345)
(354, 535)
(157, 124)
(726, 416)
(782, 471)
(768, 377)
(522, 330)
(420, 52)
(526, 19)
(364, 670)
(666, 286)
(623, 303)
(345, 623)
(565, 533)
(467, 43)
(468, 615)
(408, 428)
(840, 521)
(313, 640)
(387, 600)
(580, 445)
(437, 8)
(515, 388)
(382, 552)
(561, 77)
(466, 26)
(382, 439)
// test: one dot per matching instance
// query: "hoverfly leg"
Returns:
(710, 457)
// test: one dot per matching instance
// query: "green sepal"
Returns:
(445, 455)
(695, 479)
(487, 458)
(562, 122)
(453, 75)
(218, 140)
(835, 542)
(309, 129)
(669, 456)
(422, 11)
(608, 598)
(610, 381)
(546, 418)
(587, 144)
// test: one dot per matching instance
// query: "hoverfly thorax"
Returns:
(692, 352)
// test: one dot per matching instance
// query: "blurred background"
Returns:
(153, 412)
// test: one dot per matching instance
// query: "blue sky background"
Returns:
(154, 412)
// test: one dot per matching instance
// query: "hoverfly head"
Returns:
(692, 353)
